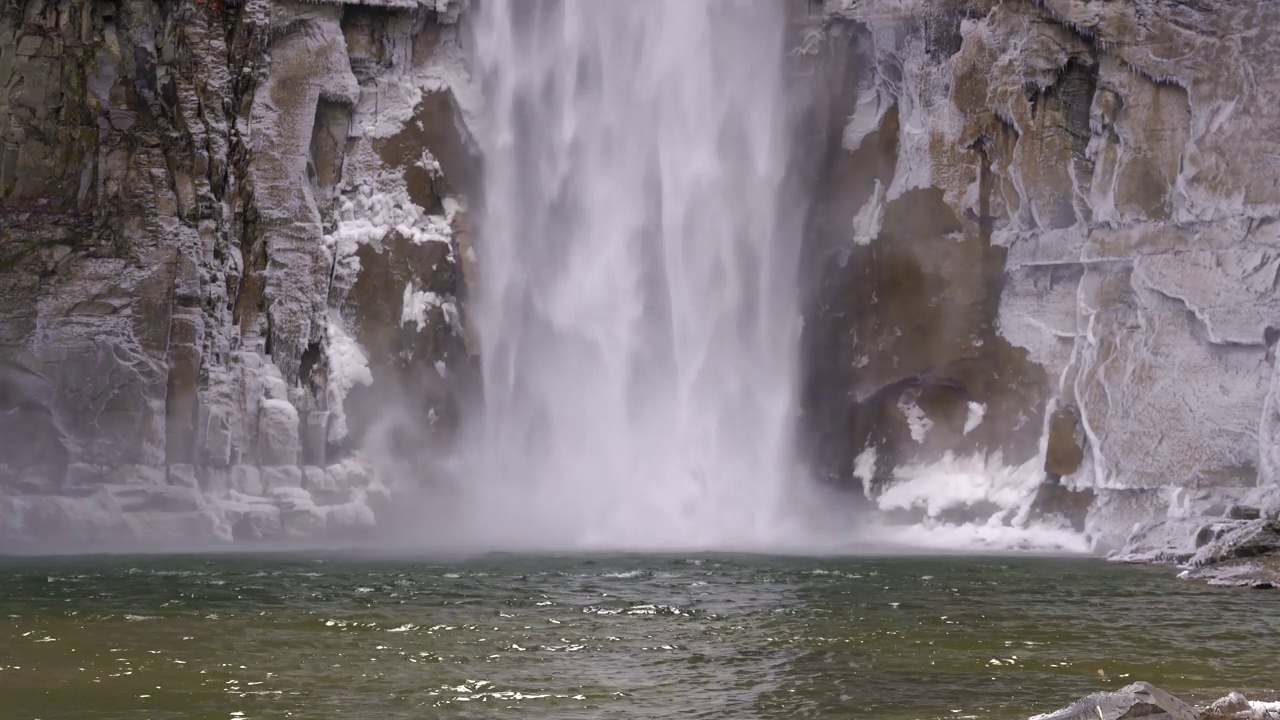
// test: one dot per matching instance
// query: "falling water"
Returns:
(636, 302)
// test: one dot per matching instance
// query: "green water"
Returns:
(620, 637)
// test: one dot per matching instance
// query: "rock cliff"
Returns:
(1058, 217)
(219, 223)
(234, 255)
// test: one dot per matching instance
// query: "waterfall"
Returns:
(636, 302)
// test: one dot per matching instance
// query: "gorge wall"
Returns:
(219, 223)
(1055, 219)
(234, 258)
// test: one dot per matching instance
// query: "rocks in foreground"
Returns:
(1132, 701)
(1261, 573)
(1246, 555)
(1237, 546)
(1144, 700)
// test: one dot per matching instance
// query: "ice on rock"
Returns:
(1142, 257)
(174, 368)
(957, 482)
(872, 104)
(868, 221)
(246, 480)
(975, 502)
(1269, 432)
(919, 423)
(371, 213)
(278, 432)
(301, 515)
(864, 469)
(976, 412)
(418, 302)
(249, 517)
(348, 367)
(1121, 164)
(281, 477)
(352, 473)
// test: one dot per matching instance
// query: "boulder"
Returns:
(299, 515)
(1260, 573)
(1143, 700)
(1138, 700)
(1227, 707)
(1253, 538)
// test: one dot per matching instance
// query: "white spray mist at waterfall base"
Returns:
(637, 301)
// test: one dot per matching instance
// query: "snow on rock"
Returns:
(368, 215)
(864, 469)
(1120, 154)
(976, 412)
(188, 313)
(249, 517)
(960, 482)
(974, 502)
(917, 421)
(301, 516)
(1269, 430)
(246, 480)
(348, 367)
(197, 338)
(418, 302)
(869, 220)
(278, 432)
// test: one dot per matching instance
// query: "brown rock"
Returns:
(1064, 453)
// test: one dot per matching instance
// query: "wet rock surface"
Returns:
(1144, 700)
(234, 250)
(1041, 208)
(187, 192)
(1231, 541)
(1246, 553)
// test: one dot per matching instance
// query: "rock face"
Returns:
(234, 253)
(1237, 553)
(1137, 700)
(203, 206)
(1064, 212)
